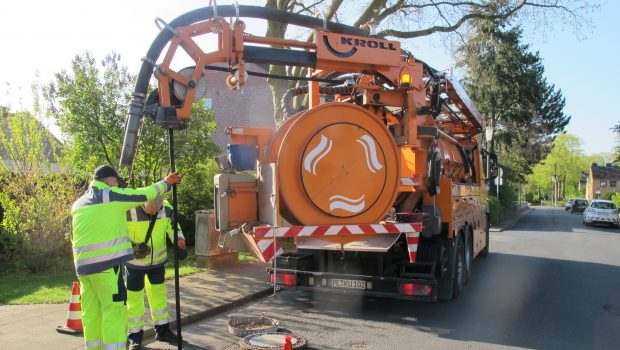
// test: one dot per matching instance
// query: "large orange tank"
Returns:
(337, 164)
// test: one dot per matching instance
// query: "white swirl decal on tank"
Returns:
(313, 158)
(370, 148)
(345, 203)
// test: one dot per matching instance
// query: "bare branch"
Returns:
(451, 28)
(309, 8)
(441, 13)
(401, 5)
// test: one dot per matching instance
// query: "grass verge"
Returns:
(245, 256)
(186, 267)
(18, 287)
(25, 288)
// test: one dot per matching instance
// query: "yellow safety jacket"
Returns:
(100, 238)
(138, 222)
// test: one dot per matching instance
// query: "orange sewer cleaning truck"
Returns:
(377, 186)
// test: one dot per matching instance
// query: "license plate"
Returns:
(350, 284)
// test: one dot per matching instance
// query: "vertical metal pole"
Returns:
(275, 265)
(497, 187)
(489, 169)
(176, 242)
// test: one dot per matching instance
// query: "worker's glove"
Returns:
(182, 253)
(173, 179)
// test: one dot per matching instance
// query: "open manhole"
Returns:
(242, 326)
(271, 341)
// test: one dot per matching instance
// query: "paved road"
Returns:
(548, 283)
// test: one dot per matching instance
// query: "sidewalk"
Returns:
(202, 295)
(510, 220)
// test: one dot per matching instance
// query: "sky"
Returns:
(43, 36)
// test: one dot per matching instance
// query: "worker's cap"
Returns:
(104, 171)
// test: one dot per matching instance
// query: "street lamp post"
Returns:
(488, 133)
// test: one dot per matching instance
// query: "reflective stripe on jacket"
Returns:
(100, 238)
(138, 222)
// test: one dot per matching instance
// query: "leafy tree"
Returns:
(35, 197)
(616, 156)
(598, 158)
(562, 167)
(406, 19)
(506, 82)
(616, 198)
(193, 147)
(90, 102)
(195, 193)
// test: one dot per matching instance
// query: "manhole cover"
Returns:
(271, 341)
(246, 325)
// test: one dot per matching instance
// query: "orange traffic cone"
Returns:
(288, 344)
(74, 316)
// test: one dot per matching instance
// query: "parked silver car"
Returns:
(569, 204)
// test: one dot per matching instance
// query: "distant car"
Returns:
(601, 212)
(569, 204)
(579, 205)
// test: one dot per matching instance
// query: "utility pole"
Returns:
(488, 133)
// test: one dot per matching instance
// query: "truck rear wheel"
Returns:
(469, 255)
(459, 267)
(485, 250)
(451, 282)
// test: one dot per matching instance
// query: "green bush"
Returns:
(607, 195)
(195, 193)
(8, 245)
(616, 199)
(529, 197)
(495, 209)
(35, 201)
(507, 197)
(36, 220)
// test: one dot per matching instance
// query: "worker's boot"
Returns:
(135, 345)
(165, 334)
(135, 340)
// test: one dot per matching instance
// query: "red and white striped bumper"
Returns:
(264, 236)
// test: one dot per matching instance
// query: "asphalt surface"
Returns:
(548, 283)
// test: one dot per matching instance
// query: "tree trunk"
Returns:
(278, 86)
(370, 12)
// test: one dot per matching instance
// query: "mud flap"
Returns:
(446, 282)
(432, 221)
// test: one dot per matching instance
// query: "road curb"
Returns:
(511, 223)
(200, 315)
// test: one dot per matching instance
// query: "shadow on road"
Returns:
(512, 300)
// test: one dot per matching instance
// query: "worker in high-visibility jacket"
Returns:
(101, 244)
(149, 272)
